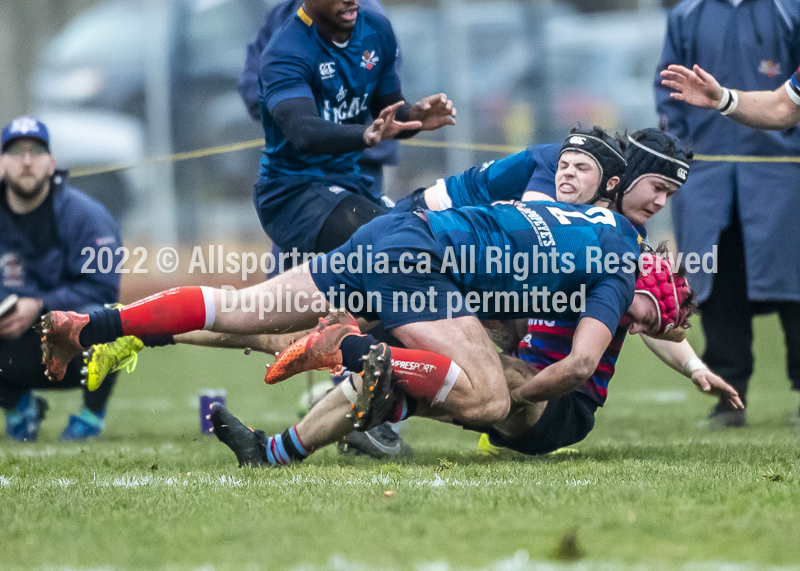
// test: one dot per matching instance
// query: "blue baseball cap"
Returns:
(25, 127)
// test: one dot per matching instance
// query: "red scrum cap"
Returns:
(667, 289)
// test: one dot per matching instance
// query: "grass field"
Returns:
(651, 488)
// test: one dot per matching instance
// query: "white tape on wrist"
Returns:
(348, 390)
(731, 107)
(693, 365)
(792, 91)
(726, 98)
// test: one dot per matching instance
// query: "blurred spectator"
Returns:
(747, 209)
(46, 228)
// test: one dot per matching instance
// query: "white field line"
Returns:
(521, 561)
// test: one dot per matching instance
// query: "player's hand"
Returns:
(17, 322)
(712, 384)
(434, 112)
(694, 86)
(384, 127)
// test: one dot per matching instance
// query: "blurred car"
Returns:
(91, 88)
(523, 73)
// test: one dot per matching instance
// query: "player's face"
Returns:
(27, 168)
(642, 316)
(577, 177)
(340, 15)
(646, 198)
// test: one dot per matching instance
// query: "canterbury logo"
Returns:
(577, 140)
(682, 174)
(413, 366)
(326, 70)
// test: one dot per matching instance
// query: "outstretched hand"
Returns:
(694, 86)
(434, 112)
(384, 127)
(712, 384)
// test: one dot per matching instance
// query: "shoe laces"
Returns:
(129, 363)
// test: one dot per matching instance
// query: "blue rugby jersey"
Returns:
(564, 232)
(549, 342)
(297, 62)
(507, 178)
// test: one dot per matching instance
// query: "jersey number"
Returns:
(596, 215)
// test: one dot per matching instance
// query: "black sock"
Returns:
(104, 326)
(354, 347)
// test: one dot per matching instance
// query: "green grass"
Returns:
(652, 486)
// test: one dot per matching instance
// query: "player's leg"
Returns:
(185, 309)
(789, 312)
(349, 215)
(326, 423)
(479, 394)
(726, 318)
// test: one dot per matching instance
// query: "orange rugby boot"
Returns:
(317, 350)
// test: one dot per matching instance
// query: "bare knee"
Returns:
(480, 403)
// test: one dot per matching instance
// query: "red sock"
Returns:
(172, 312)
(423, 375)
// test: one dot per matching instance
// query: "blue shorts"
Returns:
(393, 283)
(292, 209)
(566, 420)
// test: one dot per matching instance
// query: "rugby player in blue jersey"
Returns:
(322, 73)
(473, 390)
(540, 420)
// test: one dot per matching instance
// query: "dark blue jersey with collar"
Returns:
(508, 178)
(298, 62)
(62, 272)
(549, 245)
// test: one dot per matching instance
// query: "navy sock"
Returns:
(104, 326)
(158, 340)
(354, 347)
(283, 449)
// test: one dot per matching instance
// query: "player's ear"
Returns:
(612, 182)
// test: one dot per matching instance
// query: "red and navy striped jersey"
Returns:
(548, 342)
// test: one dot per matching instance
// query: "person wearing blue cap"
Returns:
(45, 227)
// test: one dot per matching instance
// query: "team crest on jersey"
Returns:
(770, 68)
(327, 70)
(369, 59)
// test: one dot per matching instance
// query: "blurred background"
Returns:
(121, 81)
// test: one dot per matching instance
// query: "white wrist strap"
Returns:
(730, 99)
(693, 365)
(726, 98)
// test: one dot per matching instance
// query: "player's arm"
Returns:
(682, 358)
(307, 132)
(778, 109)
(591, 339)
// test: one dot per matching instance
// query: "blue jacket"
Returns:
(62, 277)
(753, 46)
(383, 153)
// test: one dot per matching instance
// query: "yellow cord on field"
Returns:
(88, 170)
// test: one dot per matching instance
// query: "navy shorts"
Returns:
(292, 209)
(398, 291)
(565, 421)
